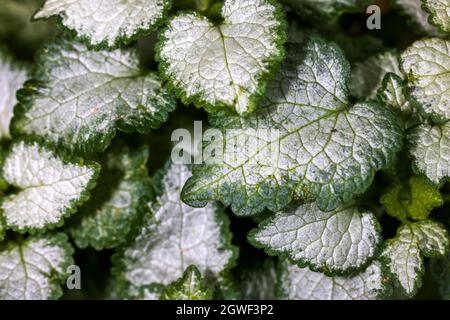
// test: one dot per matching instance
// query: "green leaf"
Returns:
(78, 98)
(173, 238)
(49, 187)
(417, 17)
(367, 75)
(334, 242)
(108, 23)
(12, 77)
(429, 145)
(439, 13)
(225, 65)
(305, 141)
(393, 94)
(34, 268)
(427, 65)
(117, 203)
(189, 287)
(404, 252)
(303, 284)
(326, 11)
(415, 200)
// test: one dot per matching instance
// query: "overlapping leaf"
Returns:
(49, 187)
(79, 97)
(368, 74)
(427, 65)
(117, 203)
(106, 23)
(225, 65)
(34, 268)
(337, 241)
(404, 252)
(306, 141)
(304, 284)
(174, 238)
(393, 93)
(439, 13)
(429, 145)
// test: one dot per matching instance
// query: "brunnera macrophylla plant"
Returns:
(328, 166)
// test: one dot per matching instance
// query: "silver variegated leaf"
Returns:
(174, 237)
(427, 65)
(34, 268)
(305, 141)
(224, 65)
(405, 252)
(429, 145)
(304, 284)
(439, 13)
(334, 242)
(106, 23)
(49, 187)
(79, 97)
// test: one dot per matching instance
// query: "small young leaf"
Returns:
(107, 23)
(334, 242)
(116, 205)
(33, 269)
(12, 77)
(188, 287)
(224, 65)
(430, 148)
(414, 200)
(305, 141)
(368, 74)
(412, 9)
(175, 237)
(326, 11)
(79, 97)
(427, 65)
(404, 252)
(49, 187)
(439, 13)
(304, 284)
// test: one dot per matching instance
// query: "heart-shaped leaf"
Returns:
(305, 141)
(224, 65)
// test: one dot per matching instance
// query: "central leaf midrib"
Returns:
(222, 38)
